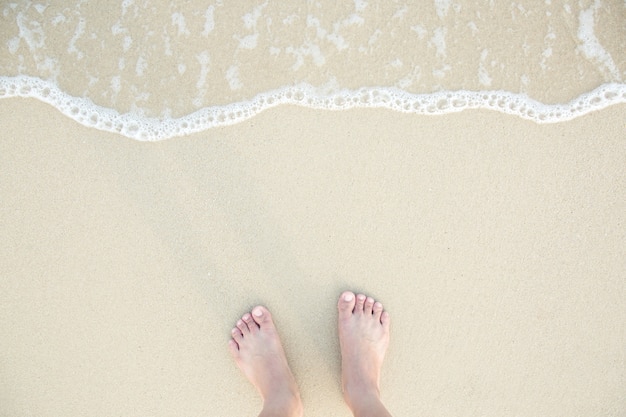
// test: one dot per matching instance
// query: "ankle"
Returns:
(368, 407)
(361, 398)
(288, 405)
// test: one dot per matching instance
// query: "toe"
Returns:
(360, 302)
(369, 306)
(262, 316)
(346, 304)
(237, 335)
(252, 326)
(378, 310)
(243, 327)
(233, 348)
(384, 319)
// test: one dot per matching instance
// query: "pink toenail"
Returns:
(258, 312)
(348, 297)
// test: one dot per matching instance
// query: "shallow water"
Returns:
(153, 69)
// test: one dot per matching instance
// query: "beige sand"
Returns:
(497, 245)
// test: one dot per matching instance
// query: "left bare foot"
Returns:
(258, 352)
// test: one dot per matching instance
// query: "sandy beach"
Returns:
(496, 244)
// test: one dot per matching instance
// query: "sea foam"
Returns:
(139, 127)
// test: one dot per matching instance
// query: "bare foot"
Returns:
(259, 354)
(364, 337)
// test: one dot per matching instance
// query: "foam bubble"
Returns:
(139, 127)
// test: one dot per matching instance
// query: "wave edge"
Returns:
(134, 126)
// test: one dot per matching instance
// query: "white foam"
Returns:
(250, 19)
(591, 47)
(40, 8)
(31, 32)
(472, 26)
(204, 59)
(291, 19)
(399, 14)
(60, 18)
(116, 85)
(128, 41)
(167, 44)
(232, 76)
(141, 66)
(13, 44)
(442, 7)
(413, 76)
(209, 23)
(118, 29)
(483, 75)
(178, 20)
(80, 30)
(136, 126)
(421, 32)
(360, 5)
(248, 42)
(439, 42)
(307, 49)
(125, 5)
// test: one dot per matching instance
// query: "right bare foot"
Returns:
(364, 337)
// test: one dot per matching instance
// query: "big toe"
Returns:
(346, 304)
(262, 316)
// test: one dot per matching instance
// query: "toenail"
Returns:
(361, 297)
(258, 312)
(348, 297)
(246, 317)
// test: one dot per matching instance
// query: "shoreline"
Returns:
(152, 129)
